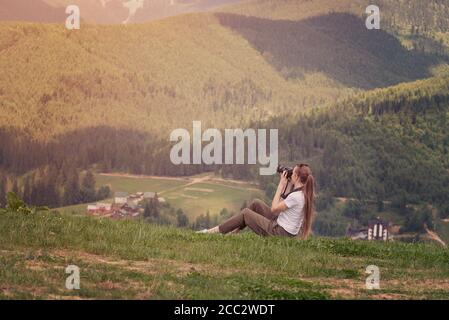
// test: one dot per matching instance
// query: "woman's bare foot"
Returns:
(213, 230)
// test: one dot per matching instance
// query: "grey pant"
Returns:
(257, 217)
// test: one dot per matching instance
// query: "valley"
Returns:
(88, 122)
(367, 109)
(195, 195)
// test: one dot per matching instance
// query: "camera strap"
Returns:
(284, 196)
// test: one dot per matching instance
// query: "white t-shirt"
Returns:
(291, 218)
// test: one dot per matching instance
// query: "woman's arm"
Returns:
(278, 205)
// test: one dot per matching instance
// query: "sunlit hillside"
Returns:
(222, 69)
(135, 77)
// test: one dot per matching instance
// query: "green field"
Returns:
(134, 260)
(202, 197)
(194, 195)
(132, 184)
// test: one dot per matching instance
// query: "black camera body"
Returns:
(289, 170)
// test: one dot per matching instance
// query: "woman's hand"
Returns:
(277, 205)
(284, 181)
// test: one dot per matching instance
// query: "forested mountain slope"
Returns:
(431, 15)
(222, 69)
(388, 144)
(420, 25)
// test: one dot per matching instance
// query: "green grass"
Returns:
(130, 259)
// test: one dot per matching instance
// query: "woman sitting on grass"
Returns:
(289, 217)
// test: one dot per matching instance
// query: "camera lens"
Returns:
(281, 169)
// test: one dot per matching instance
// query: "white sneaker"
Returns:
(203, 231)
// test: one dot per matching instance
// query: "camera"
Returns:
(289, 170)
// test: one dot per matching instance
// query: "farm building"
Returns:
(120, 197)
(134, 199)
(378, 230)
(125, 205)
(92, 208)
(125, 211)
(99, 209)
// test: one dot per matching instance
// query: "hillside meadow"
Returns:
(132, 260)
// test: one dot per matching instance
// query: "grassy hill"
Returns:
(127, 259)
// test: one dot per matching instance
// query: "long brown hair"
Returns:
(305, 176)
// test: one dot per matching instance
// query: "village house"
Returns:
(92, 208)
(376, 230)
(99, 209)
(120, 197)
(124, 205)
(134, 199)
(127, 211)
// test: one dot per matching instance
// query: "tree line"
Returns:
(53, 187)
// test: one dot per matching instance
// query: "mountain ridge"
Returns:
(103, 11)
